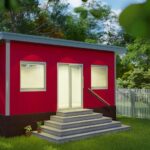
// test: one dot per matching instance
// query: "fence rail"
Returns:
(133, 102)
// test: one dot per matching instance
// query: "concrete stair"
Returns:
(68, 125)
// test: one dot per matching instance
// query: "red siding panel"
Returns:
(2, 77)
(36, 102)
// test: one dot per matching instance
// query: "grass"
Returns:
(136, 138)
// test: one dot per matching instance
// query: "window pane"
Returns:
(32, 76)
(99, 77)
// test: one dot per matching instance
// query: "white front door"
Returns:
(69, 86)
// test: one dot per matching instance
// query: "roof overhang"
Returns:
(59, 42)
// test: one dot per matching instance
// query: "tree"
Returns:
(136, 62)
(52, 19)
(76, 29)
(30, 18)
(138, 54)
(20, 19)
(93, 14)
(136, 78)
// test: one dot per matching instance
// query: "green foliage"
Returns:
(8, 4)
(39, 124)
(101, 12)
(135, 65)
(138, 54)
(76, 29)
(28, 128)
(97, 13)
(135, 19)
(91, 16)
(93, 9)
(136, 78)
(120, 68)
(32, 19)
(20, 19)
(82, 11)
(51, 21)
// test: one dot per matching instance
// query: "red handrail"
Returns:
(98, 97)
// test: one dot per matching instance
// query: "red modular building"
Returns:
(39, 76)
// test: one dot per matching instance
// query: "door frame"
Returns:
(82, 84)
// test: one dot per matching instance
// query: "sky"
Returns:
(114, 4)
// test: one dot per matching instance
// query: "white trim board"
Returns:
(7, 82)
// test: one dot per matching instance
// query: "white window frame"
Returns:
(33, 89)
(100, 66)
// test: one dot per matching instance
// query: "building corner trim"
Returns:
(7, 82)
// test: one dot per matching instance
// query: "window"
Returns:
(32, 76)
(99, 77)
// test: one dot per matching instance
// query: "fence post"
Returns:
(133, 98)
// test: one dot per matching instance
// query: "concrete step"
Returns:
(74, 112)
(84, 129)
(76, 124)
(75, 118)
(57, 139)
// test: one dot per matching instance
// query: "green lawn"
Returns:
(138, 138)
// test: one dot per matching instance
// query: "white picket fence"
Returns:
(133, 102)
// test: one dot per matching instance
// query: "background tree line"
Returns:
(92, 22)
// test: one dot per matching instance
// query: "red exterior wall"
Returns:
(2, 77)
(36, 102)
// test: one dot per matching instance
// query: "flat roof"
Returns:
(60, 42)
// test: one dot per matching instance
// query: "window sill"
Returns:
(99, 88)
